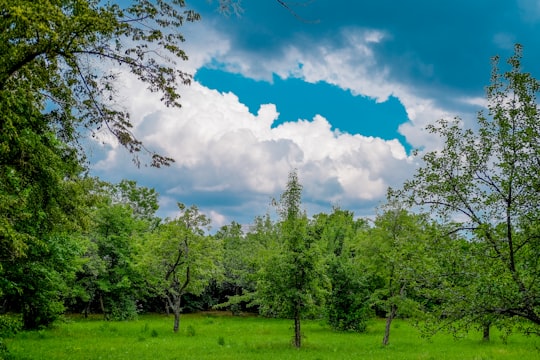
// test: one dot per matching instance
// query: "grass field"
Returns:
(216, 336)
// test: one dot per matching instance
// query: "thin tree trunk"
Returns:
(297, 332)
(102, 305)
(389, 318)
(486, 329)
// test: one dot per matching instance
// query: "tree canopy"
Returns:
(61, 57)
(484, 183)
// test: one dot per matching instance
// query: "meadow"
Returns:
(219, 336)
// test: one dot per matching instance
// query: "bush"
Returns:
(347, 308)
(9, 326)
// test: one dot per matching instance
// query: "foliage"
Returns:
(244, 255)
(42, 204)
(57, 79)
(9, 326)
(292, 281)
(178, 258)
(486, 181)
(347, 305)
(396, 252)
(108, 275)
(62, 53)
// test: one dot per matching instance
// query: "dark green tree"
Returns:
(41, 207)
(347, 306)
(56, 80)
(244, 255)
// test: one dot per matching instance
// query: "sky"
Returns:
(339, 90)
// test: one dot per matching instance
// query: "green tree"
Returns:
(59, 55)
(347, 306)
(111, 258)
(179, 258)
(244, 255)
(54, 83)
(293, 281)
(396, 251)
(107, 280)
(486, 180)
(143, 201)
(41, 205)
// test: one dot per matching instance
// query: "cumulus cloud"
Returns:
(233, 161)
(230, 162)
(351, 63)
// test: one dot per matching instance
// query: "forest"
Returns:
(455, 248)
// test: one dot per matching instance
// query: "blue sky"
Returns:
(340, 90)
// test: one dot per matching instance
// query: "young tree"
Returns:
(293, 280)
(179, 258)
(486, 180)
(396, 252)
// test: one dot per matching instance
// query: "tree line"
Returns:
(456, 247)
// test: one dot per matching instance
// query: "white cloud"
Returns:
(351, 65)
(221, 148)
(236, 160)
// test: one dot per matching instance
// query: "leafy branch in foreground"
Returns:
(61, 54)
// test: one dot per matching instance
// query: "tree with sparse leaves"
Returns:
(485, 180)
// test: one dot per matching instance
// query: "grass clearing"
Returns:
(215, 336)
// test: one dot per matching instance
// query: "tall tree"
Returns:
(179, 258)
(41, 205)
(486, 180)
(293, 280)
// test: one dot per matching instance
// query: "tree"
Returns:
(396, 251)
(244, 255)
(59, 55)
(347, 305)
(178, 258)
(42, 206)
(54, 83)
(292, 281)
(486, 181)
(110, 261)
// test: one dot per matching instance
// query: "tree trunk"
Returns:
(297, 332)
(102, 305)
(176, 311)
(176, 320)
(486, 328)
(391, 315)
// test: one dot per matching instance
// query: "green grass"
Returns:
(211, 336)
